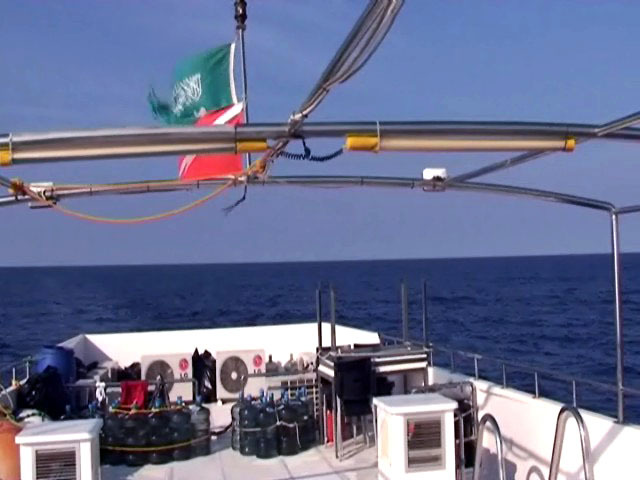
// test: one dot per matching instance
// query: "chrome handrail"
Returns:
(558, 441)
(535, 371)
(490, 419)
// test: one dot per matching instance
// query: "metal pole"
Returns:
(19, 148)
(5, 182)
(617, 290)
(318, 378)
(241, 25)
(601, 130)
(504, 376)
(426, 342)
(332, 293)
(319, 315)
(425, 318)
(338, 429)
(461, 458)
(337, 432)
(405, 311)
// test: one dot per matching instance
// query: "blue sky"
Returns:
(69, 64)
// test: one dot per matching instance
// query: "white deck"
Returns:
(527, 423)
(226, 464)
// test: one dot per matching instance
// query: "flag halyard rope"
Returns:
(40, 197)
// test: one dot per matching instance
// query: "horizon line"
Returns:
(280, 262)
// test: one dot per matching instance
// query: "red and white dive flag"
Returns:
(202, 166)
(204, 93)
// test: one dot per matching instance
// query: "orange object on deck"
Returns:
(10, 452)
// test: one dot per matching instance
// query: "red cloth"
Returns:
(134, 391)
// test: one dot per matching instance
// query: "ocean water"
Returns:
(554, 313)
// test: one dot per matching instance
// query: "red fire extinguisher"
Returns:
(330, 427)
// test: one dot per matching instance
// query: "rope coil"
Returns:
(42, 198)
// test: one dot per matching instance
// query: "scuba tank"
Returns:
(181, 431)
(271, 367)
(291, 366)
(67, 413)
(136, 433)
(201, 424)
(248, 422)
(287, 431)
(267, 442)
(112, 436)
(160, 434)
(235, 423)
(306, 421)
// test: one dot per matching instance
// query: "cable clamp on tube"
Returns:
(362, 143)
(6, 153)
(247, 146)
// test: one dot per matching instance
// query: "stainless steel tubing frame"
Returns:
(565, 413)
(147, 141)
(617, 291)
(404, 299)
(411, 183)
(490, 419)
(602, 130)
(318, 379)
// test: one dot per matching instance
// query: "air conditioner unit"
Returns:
(67, 450)
(175, 366)
(232, 370)
(416, 437)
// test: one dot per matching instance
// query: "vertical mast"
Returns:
(617, 291)
(241, 25)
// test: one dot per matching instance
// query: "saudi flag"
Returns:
(204, 94)
(202, 83)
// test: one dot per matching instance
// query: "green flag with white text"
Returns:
(202, 83)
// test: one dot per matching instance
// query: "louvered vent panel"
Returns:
(58, 464)
(424, 443)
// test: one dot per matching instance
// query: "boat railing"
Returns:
(15, 372)
(536, 373)
(507, 366)
(565, 414)
(482, 427)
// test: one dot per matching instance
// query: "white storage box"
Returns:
(67, 449)
(416, 437)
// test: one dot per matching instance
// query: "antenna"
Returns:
(241, 26)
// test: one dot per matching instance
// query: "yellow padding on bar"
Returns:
(246, 146)
(5, 157)
(366, 143)
(570, 144)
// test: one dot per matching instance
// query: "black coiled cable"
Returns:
(307, 154)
